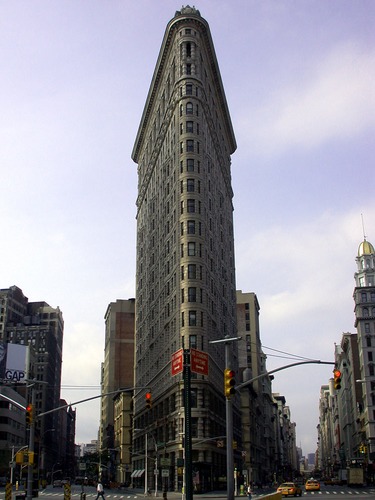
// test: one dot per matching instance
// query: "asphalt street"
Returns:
(342, 492)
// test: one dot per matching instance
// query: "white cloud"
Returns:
(334, 100)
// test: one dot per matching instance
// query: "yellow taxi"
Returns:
(289, 489)
(312, 485)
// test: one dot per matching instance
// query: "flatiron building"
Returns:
(185, 282)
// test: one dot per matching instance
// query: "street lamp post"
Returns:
(229, 419)
(41, 452)
(30, 469)
(54, 471)
(12, 461)
(146, 464)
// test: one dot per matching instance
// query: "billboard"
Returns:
(13, 358)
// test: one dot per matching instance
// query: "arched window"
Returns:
(189, 108)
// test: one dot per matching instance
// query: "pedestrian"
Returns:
(100, 491)
(249, 492)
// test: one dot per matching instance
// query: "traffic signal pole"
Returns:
(30, 468)
(187, 406)
(229, 414)
(229, 423)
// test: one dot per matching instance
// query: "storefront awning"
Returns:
(137, 473)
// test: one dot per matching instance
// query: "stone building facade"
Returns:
(185, 284)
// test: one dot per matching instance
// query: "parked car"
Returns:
(289, 489)
(57, 483)
(312, 485)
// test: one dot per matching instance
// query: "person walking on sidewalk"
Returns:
(249, 492)
(100, 491)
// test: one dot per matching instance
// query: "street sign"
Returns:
(199, 362)
(177, 362)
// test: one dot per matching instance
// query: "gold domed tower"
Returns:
(366, 264)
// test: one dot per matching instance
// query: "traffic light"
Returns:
(148, 400)
(229, 382)
(336, 379)
(29, 414)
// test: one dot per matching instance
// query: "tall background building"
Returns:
(185, 283)
(40, 327)
(364, 299)
(117, 372)
(347, 404)
(258, 408)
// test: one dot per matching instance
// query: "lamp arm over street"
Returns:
(129, 389)
(313, 361)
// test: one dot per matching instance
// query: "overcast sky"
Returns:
(299, 79)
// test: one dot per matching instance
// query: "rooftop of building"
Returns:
(365, 248)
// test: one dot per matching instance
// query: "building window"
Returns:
(182, 295)
(189, 89)
(191, 226)
(367, 327)
(192, 294)
(190, 146)
(193, 391)
(190, 185)
(193, 344)
(190, 206)
(189, 108)
(190, 165)
(368, 341)
(190, 127)
(191, 248)
(192, 271)
(192, 318)
(364, 297)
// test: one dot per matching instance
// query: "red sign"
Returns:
(199, 362)
(177, 362)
